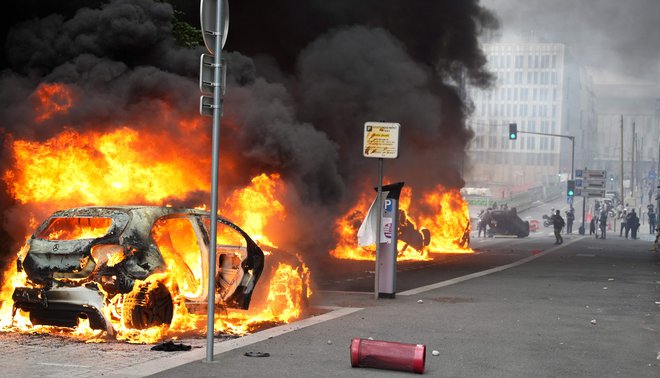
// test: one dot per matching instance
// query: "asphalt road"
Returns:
(587, 308)
(515, 308)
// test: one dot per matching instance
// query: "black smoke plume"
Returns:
(304, 76)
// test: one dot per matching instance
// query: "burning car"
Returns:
(133, 264)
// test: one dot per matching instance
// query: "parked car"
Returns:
(80, 260)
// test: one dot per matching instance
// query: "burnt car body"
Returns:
(79, 258)
(506, 222)
(408, 233)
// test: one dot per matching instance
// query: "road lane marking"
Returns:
(63, 365)
(456, 280)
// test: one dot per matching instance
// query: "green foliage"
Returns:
(184, 33)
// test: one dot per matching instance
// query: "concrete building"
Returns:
(542, 90)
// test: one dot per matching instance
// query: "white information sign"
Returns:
(381, 140)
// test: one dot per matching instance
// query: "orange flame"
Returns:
(255, 205)
(73, 168)
(447, 222)
(131, 165)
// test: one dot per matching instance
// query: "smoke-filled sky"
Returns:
(303, 79)
(304, 76)
(620, 37)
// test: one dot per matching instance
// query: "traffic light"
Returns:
(570, 188)
(513, 131)
(611, 177)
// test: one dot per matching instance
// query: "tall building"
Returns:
(542, 92)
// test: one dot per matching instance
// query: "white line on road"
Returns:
(63, 365)
(456, 280)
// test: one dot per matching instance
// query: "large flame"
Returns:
(138, 164)
(94, 168)
(256, 204)
(442, 211)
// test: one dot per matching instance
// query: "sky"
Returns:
(619, 37)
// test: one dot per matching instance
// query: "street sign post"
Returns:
(207, 79)
(594, 183)
(214, 19)
(211, 28)
(381, 140)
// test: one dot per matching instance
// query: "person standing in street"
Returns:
(481, 226)
(592, 226)
(570, 218)
(558, 223)
(629, 221)
(603, 223)
(652, 220)
(623, 218)
(633, 224)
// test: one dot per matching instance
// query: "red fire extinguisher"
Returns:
(388, 355)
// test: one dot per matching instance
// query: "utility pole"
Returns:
(655, 184)
(632, 168)
(623, 195)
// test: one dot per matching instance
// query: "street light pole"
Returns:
(569, 137)
(623, 195)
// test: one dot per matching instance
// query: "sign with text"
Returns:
(381, 140)
(593, 193)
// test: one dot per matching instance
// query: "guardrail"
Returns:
(521, 201)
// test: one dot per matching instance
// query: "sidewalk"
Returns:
(585, 308)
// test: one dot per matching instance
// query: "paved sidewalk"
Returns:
(583, 309)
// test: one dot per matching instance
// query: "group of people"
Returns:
(629, 222)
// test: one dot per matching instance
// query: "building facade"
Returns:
(540, 90)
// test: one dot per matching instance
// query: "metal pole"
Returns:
(379, 222)
(623, 195)
(584, 208)
(217, 112)
(655, 186)
(632, 168)
(572, 158)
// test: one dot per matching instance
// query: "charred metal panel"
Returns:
(46, 257)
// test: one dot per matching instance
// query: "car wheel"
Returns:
(147, 306)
